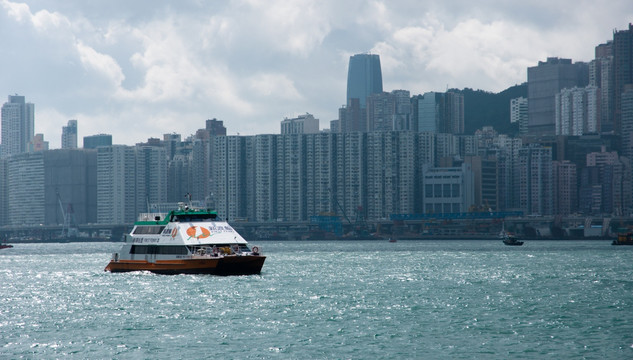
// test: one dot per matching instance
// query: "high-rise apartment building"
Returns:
(389, 111)
(116, 184)
(577, 111)
(535, 179)
(364, 77)
(17, 123)
(302, 124)
(601, 75)
(438, 113)
(69, 135)
(544, 82)
(564, 187)
(320, 172)
(622, 69)
(519, 113)
(626, 121)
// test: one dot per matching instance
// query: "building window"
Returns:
(456, 190)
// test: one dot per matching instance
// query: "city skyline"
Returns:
(137, 71)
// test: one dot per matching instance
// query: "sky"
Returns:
(144, 68)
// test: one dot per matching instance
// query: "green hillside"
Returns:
(484, 108)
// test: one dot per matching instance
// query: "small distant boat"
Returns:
(392, 240)
(5, 246)
(623, 239)
(509, 239)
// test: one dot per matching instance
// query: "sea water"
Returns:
(326, 300)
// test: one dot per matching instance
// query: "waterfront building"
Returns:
(94, 141)
(519, 113)
(364, 77)
(151, 176)
(447, 189)
(201, 163)
(535, 179)
(178, 179)
(116, 184)
(351, 164)
(265, 154)
(17, 125)
(302, 124)
(47, 186)
(69, 135)
(320, 173)
(390, 174)
(233, 186)
(544, 82)
(4, 195)
(291, 182)
(565, 188)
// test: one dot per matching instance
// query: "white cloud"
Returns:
(277, 85)
(123, 69)
(101, 63)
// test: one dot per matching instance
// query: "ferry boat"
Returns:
(186, 241)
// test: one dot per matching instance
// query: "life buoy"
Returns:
(174, 232)
(255, 250)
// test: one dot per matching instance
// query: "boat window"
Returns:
(194, 217)
(148, 230)
(159, 250)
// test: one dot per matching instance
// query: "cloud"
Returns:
(277, 85)
(101, 63)
(128, 69)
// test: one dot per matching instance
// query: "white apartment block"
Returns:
(303, 124)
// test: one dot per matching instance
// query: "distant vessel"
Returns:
(5, 246)
(623, 239)
(507, 238)
(186, 241)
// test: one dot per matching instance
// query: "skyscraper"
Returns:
(69, 135)
(364, 77)
(18, 118)
(544, 82)
(623, 69)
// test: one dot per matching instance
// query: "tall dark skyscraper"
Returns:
(623, 68)
(364, 77)
(544, 82)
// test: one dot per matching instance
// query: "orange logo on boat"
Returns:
(194, 233)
